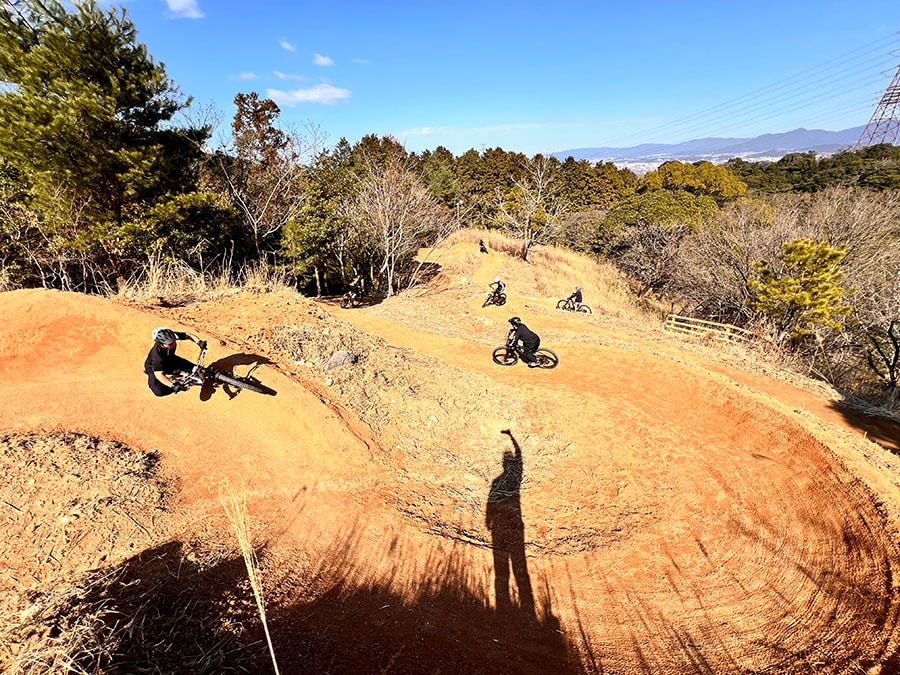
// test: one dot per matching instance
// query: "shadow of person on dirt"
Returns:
(503, 517)
(168, 609)
(441, 621)
(227, 365)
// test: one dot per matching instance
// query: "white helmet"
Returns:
(496, 279)
(164, 336)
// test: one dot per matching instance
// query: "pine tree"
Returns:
(806, 293)
(84, 114)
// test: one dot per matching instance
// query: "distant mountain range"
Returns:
(771, 147)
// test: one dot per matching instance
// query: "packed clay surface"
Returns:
(642, 508)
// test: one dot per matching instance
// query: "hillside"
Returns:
(767, 147)
(658, 506)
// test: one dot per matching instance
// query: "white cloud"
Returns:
(498, 128)
(288, 46)
(288, 76)
(320, 60)
(243, 76)
(323, 94)
(184, 9)
(364, 61)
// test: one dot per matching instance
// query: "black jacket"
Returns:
(528, 337)
(164, 360)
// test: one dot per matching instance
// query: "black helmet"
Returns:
(515, 321)
(164, 336)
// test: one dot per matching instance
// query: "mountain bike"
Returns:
(509, 354)
(495, 298)
(200, 374)
(351, 299)
(570, 305)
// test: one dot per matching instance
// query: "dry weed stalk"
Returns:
(177, 282)
(235, 504)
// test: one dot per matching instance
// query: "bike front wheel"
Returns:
(238, 382)
(504, 356)
(561, 305)
(546, 358)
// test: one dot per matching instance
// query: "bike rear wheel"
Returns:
(345, 301)
(584, 308)
(504, 356)
(501, 300)
(546, 358)
(238, 382)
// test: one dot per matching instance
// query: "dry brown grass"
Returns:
(169, 282)
(234, 501)
(75, 508)
(553, 272)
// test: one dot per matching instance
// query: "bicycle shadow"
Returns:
(227, 365)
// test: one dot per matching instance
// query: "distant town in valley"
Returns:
(768, 147)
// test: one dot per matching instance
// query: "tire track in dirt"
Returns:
(735, 539)
(679, 525)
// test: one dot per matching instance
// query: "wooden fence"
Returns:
(700, 327)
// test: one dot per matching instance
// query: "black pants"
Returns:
(158, 387)
(527, 352)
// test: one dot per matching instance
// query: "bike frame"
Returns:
(511, 343)
(193, 377)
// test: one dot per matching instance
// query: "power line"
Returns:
(818, 82)
(884, 126)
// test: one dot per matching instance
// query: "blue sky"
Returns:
(532, 76)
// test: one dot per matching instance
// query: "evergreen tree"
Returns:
(806, 292)
(83, 114)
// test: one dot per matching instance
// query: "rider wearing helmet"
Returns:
(520, 333)
(162, 361)
(576, 296)
(498, 287)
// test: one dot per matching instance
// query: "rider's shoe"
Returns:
(534, 364)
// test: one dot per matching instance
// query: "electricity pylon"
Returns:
(884, 127)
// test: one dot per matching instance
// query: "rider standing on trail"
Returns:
(576, 296)
(498, 287)
(162, 361)
(528, 338)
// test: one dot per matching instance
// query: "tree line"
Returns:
(105, 165)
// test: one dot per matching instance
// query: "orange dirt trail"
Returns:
(706, 520)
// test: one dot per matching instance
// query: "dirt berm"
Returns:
(643, 508)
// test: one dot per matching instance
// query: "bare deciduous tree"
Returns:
(260, 166)
(394, 211)
(532, 209)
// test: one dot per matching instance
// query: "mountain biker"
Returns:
(576, 297)
(498, 287)
(481, 246)
(162, 361)
(529, 339)
(356, 290)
